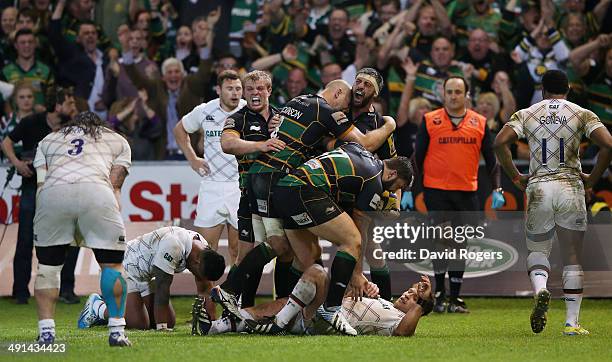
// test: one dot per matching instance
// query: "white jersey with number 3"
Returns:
(372, 316)
(554, 129)
(76, 157)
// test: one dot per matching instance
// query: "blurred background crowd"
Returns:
(143, 64)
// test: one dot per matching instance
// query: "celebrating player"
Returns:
(555, 188)
(247, 133)
(80, 171)
(305, 121)
(150, 262)
(219, 193)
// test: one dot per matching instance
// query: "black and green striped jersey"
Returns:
(369, 121)
(350, 175)
(305, 121)
(249, 126)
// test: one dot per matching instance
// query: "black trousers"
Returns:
(22, 262)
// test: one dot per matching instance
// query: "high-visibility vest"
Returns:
(451, 161)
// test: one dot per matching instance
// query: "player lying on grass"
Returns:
(150, 262)
(299, 314)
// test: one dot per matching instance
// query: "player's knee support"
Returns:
(537, 260)
(108, 279)
(273, 226)
(573, 278)
(540, 242)
(259, 230)
(305, 291)
(48, 277)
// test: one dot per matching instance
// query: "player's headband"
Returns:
(370, 79)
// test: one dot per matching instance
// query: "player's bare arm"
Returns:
(504, 138)
(373, 139)
(162, 307)
(602, 138)
(198, 164)
(232, 144)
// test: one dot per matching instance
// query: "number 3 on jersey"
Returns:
(561, 152)
(78, 147)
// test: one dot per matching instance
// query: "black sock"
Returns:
(455, 274)
(440, 267)
(281, 278)
(382, 278)
(249, 288)
(341, 272)
(252, 262)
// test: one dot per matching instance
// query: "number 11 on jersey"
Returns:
(561, 152)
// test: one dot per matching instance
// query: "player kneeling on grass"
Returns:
(150, 262)
(299, 314)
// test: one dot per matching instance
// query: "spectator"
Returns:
(541, 50)
(431, 21)
(8, 23)
(243, 19)
(485, 62)
(501, 86)
(27, 67)
(593, 18)
(407, 131)
(384, 11)
(468, 15)
(319, 15)
(489, 106)
(80, 11)
(118, 86)
(133, 118)
(83, 63)
(597, 75)
(295, 85)
(110, 14)
(23, 99)
(335, 42)
(574, 30)
(154, 31)
(170, 93)
(329, 72)
(185, 49)
(431, 74)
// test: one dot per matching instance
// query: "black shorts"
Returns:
(458, 207)
(245, 223)
(305, 206)
(260, 193)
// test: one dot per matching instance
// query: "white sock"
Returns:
(46, 325)
(572, 306)
(303, 293)
(116, 325)
(99, 308)
(538, 277)
(219, 326)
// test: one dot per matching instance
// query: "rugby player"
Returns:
(80, 170)
(150, 262)
(555, 188)
(297, 314)
(247, 133)
(219, 193)
(306, 120)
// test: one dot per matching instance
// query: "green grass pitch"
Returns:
(497, 329)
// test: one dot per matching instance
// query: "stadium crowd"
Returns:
(143, 65)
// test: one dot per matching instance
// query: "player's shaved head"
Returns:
(337, 94)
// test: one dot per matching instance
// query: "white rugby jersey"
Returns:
(210, 117)
(372, 316)
(166, 248)
(79, 158)
(554, 129)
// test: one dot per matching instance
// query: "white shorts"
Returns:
(217, 204)
(89, 209)
(142, 288)
(555, 202)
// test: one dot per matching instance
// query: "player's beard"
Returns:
(365, 101)
(387, 185)
(64, 118)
